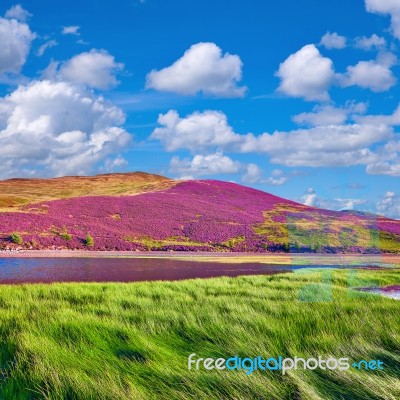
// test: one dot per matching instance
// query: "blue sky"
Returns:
(297, 98)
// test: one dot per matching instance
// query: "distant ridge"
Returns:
(140, 211)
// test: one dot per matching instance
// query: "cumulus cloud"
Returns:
(389, 205)
(347, 204)
(203, 68)
(196, 132)
(375, 75)
(18, 12)
(219, 164)
(330, 115)
(253, 173)
(45, 46)
(390, 119)
(15, 39)
(387, 158)
(332, 145)
(277, 178)
(114, 164)
(71, 30)
(200, 165)
(320, 146)
(368, 43)
(55, 128)
(310, 198)
(306, 74)
(333, 41)
(387, 7)
(384, 168)
(95, 69)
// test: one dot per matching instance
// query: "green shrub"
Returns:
(89, 241)
(16, 238)
(65, 235)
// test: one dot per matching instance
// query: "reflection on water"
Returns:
(20, 270)
(30, 270)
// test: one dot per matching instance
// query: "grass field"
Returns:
(132, 341)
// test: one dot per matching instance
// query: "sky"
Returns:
(296, 98)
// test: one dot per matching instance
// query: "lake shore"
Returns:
(231, 257)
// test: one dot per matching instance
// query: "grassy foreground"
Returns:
(131, 341)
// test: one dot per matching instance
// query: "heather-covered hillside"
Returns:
(146, 212)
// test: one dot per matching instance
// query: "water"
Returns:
(392, 292)
(34, 270)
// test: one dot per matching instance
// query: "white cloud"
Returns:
(310, 198)
(114, 164)
(347, 204)
(45, 46)
(54, 128)
(391, 119)
(18, 12)
(329, 115)
(384, 168)
(306, 74)
(368, 43)
(253, 173)
(375, 75)
(332, 145)
(95, 69)
(203, 68)
(277, 178)
(71, 30)
(333, 41)
(320, 146)
(218, 164)
(387, 159)
(201, 165)
(196, 132)
(387, 7)
(15, 39)
(389, 205)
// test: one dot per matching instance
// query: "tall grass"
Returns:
(131, 341)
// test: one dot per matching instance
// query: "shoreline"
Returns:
(269, 258)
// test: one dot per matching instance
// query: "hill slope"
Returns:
(18, 192)
(172, 215)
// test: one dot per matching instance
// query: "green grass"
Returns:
(153, 244)
(131, 341)
(389, 242)
(307, 229)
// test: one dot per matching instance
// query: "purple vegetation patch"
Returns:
(191, 216)
(207, 212)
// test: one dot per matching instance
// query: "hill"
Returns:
(18, 192)
(140, 211)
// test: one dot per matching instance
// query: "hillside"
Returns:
(18, 192)
(147, 212)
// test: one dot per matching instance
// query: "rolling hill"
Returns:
(139, 211)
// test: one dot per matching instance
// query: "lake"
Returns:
(15, 270)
